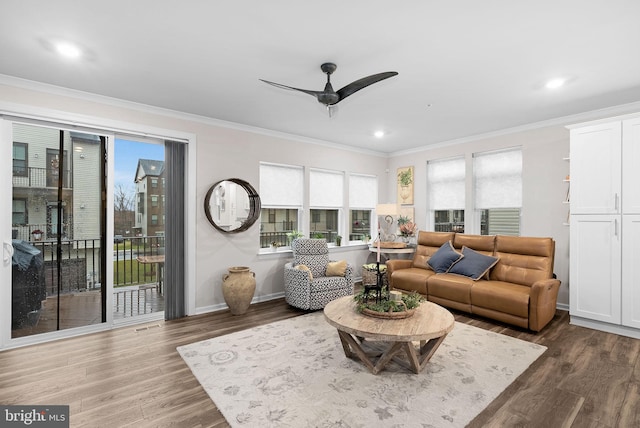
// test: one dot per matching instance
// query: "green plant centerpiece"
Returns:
(367, 304)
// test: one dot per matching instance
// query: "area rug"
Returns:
(294, 373)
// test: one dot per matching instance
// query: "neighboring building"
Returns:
(37, 171)
(149, 204)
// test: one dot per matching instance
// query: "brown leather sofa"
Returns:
(520, 289)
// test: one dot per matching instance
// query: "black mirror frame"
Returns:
(254, 205)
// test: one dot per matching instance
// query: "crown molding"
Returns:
(564, 121)
(174, 114)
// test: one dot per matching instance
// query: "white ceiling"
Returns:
(465, 67)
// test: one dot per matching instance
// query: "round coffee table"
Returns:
(392, 339)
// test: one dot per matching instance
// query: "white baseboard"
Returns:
(223, 306)
(606, 327)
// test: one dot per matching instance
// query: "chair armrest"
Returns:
(291, 274)
(542, 302)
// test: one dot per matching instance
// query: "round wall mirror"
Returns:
(232, 205)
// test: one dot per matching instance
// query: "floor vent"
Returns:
(148, 327)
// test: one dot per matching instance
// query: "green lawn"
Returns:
(130, 272)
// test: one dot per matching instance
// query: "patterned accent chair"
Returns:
(312, 294)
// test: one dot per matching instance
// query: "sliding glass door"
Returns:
(58, 230)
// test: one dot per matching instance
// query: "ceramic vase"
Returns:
(238, 287)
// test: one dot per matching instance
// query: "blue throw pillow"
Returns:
(442, 259)
(473, 264)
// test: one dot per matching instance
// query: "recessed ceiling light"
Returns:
(555, 83)
(68, 50)
(378, 134)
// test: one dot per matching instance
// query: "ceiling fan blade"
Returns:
(354, 87)
(291, 88)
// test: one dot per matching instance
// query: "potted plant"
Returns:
(338, 240)
(294, 234)
(274, 245)
(403, 220)
(318, 235)
(37, 234)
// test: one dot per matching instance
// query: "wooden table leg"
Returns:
(418, 361)
(415, 361)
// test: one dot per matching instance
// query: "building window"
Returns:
(498, 191)
(281, 195)
(446, 191)
(19, 217)
(154, 182)
(363, 197)
(141, 203)
(154, 200)
(20, 159)
(154, 219)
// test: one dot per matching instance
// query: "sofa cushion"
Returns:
(484, 244)
(502, 297)
(411, 279)
(473, 264)
(523, 260)
(442, 260)
(450, 287)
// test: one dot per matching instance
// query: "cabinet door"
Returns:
(631, 166)
(631, 270)
(595, 267)
(596, 169)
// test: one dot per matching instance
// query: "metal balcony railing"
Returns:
(41, 177)
(80, 263)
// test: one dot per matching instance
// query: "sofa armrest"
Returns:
(397, 264)
(542, 303)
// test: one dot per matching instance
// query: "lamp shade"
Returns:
(387, 209)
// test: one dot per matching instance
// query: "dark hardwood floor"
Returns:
(133, 376)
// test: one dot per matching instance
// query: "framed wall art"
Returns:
(405, 185)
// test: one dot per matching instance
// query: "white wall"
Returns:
(543, 212)
(222, 153)
(226, 152)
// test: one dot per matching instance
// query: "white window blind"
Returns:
(446, 184)
(363, 191)
(498, 179)
(326, 188)
(281, 185)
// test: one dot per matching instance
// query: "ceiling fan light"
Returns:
(68, 50)
(555, 83)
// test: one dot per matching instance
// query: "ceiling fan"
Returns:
(328, 96)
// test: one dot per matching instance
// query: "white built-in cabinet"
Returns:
(604, 286)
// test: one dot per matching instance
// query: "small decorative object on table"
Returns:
(408, 229)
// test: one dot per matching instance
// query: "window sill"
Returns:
(332, 248)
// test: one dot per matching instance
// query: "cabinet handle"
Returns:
(616, 202)
(616, 227)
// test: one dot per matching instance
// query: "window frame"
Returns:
(25, 172)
